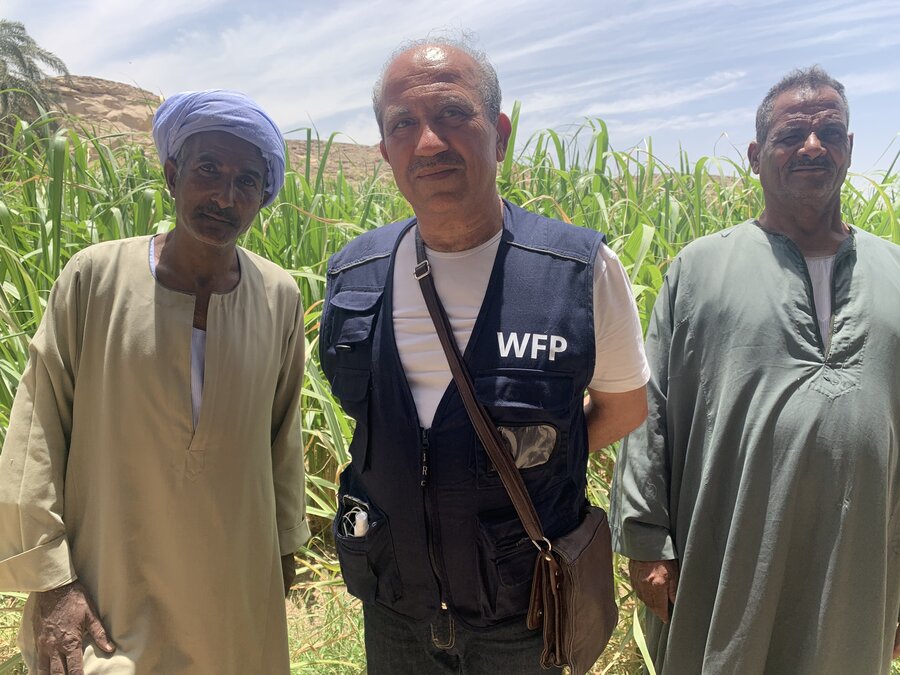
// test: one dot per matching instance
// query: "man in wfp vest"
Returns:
(760, 502)
(541, 310)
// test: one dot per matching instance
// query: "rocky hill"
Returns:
(107, 107)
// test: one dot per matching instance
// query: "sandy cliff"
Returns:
(107, 107)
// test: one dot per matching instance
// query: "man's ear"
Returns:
(384, 154)
(753, 156)
(504, 129)
(171, 173)
(850, 137)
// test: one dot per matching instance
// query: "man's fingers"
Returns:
(634, 571)
(75, 663)
(661, 604)
(96, 630)
(42, 654)
(655, 583)
(288, 572)
(660, 609)
(662, 612)
(897, 644)
(57, 665)
(98, 634)
(654, 596)
(673, 585)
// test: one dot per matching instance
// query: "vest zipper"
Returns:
(424, 481)
(432, 558)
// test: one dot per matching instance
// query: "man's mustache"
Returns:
(221, 214)
(818, 162)
(448, 158)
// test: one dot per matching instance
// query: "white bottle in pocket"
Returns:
(361, 524)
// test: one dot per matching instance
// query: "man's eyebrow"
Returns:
(396, 110)
(793, 125)
(208, 156)
(454, 98)
(215, 158)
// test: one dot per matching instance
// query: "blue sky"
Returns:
(687, 73)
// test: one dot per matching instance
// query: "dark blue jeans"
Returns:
(396, 645)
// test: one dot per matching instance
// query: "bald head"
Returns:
(431, 56)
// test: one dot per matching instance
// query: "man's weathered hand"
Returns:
(288, 572)
(655, 583)
(61, 619)
(897, 643)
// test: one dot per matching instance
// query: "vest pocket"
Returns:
(505, 567)
(534, 450)
(367, 562)
(530, 445)
(352, 317)
(350, 323)
(347, 358)
(509, 391)
(350, 384)
(531, 409)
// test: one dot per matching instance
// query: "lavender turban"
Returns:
(183, 115)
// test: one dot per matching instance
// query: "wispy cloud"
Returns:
(719, 121)
(713, 85)
(683, 70)
(866, 83)
(89, 33)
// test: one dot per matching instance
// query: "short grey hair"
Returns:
(813, 78)
(488, 84)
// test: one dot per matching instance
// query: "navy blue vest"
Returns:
(443, 533)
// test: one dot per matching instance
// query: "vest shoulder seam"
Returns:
(359, 261)
(550, 251)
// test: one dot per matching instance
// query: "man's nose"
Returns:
(223, 195)
(812, 146)
(430, 142)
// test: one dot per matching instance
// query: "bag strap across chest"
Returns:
(485, 428)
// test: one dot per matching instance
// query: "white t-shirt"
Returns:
(461, 279)
(820, 271)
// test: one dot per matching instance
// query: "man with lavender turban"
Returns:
(182, 115)
(152, 483)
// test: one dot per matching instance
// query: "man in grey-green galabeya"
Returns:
(760, 501)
